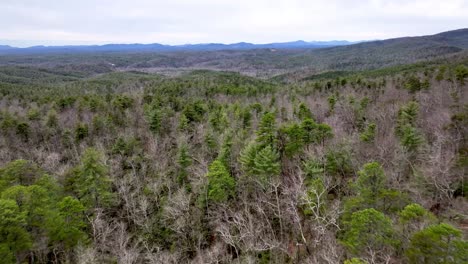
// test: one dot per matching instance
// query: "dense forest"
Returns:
(100, 165)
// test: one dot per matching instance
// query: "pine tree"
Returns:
(93, 184)
(304, 112)
(13, 236)
(221, 186)
(368, 230)
(183, 161)
(438, 244)
(266, 133)
(371, 182)
(67, 225)
(368, 135)
(266, 164)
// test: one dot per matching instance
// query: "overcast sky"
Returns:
(58, 22)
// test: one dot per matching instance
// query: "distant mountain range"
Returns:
(156, 47)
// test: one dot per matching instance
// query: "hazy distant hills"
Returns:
(168, 48)
(299, 58)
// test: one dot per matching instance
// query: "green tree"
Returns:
(438, 244)
(155, 120)
(184, 160)
(266, 164)
(21, 172)
(266, 133)
(368, 232)
(371, 182)
(368, 135)
(13, 236)
(332, 99)
(411, 139)
(68, 225)
(221, 186)
(407, 116)
(52, 119)
(23, 130)
(93, 184)
(81, 131)
(304, 112)
(414, 212)
(461, 73)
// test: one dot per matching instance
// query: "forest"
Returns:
(334, 165)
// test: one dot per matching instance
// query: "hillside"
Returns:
(261, 62)
(354, 155)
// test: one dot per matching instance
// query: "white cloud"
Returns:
(188, 21)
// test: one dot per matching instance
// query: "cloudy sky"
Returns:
(59, 22)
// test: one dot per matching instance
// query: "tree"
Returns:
(19, 172)
(81, 131)
(266, 133)
(411, 139)
(183, 161)
(407, 115)
(68, 224)
(368, 134)
(332, 99)
(155, 120)
(440, 243)
(221, 185)
(414, 212)
(13, 236)
(461, 73)
(304, 112)
(369, 233)
(93, 184)
(266, 164)
(370, 182)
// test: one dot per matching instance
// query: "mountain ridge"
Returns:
(157, 47)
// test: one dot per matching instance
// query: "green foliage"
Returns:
(304, 112)
(266, 133)
(122, 102)
(8, 121)
(221, 186)
(371, 181)
(438, 244)
(368, 135)
(414, 212)
(266, 163)
(355, 261)
(414, 84)
(411, 139)
(296, 136)
(184, 160)
(338, 162)
(247, 158)
(52, 119)
(368, 229)
(194, 111)
(332, 99)
(155, 120)
(68, 224)
(13, 236)
(261, 164)
(34, 114)
(407, 116)
(23, 130)
(293, 139)
(19, 172)
(406, 130)
(92, 182)
(81, 131)
(461, 73)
